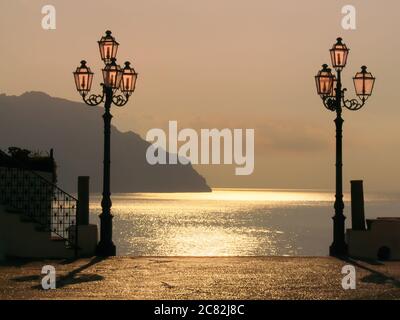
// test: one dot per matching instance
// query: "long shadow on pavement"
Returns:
(375, 276)
(73, 277)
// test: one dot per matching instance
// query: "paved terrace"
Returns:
(199, 278)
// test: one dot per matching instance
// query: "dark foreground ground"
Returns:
(200, 278)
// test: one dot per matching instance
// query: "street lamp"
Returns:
(115, 78)
(108, 47)
(329, 87)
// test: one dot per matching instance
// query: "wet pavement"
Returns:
(200, 278)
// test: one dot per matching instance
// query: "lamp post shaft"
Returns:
(339, 246)
(106, 246)
(115, 78)
(335, 101)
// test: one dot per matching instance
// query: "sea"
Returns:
(231, 222)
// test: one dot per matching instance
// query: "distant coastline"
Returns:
(39, 122)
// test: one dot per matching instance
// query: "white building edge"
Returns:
(32, 214)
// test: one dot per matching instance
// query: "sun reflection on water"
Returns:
(261, 195)
(226, 222)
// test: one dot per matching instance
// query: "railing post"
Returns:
(82, 214)
(357, 205)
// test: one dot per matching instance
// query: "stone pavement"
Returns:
(199, 278)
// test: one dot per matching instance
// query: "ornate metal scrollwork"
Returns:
(94, 99)
(329, 103)
(353, 104)
(120, 100)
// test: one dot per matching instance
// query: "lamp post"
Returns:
(115, 78)
(329, 87)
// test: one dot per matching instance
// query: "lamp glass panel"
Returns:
(108, 50)
(83, 80)
(364, 84)
(339, 54)
(369, 85)
(333, 88)
(128, 82)
(324, 83)
(112, 76)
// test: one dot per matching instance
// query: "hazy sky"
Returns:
(228, 63)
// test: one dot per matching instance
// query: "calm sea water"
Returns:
(230, 222)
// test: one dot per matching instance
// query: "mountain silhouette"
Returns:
(38, 122)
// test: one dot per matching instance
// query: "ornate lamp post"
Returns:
(329, 87)
(115, 78)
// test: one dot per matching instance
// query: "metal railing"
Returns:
(40, 201)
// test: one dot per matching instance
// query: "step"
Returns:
(24, 240)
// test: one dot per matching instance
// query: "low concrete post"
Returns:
(2, 251)
(82, 218)
(87, 236)
(357, 205)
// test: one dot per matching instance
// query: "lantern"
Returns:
(339, 53)
(324, 81)
(112, 75)
(83, 79)
(364, 83)
(108, 47)
(128, 81)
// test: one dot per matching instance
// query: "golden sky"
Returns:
(227, 63)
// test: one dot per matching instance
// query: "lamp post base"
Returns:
(106, 249)
(338, 250)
